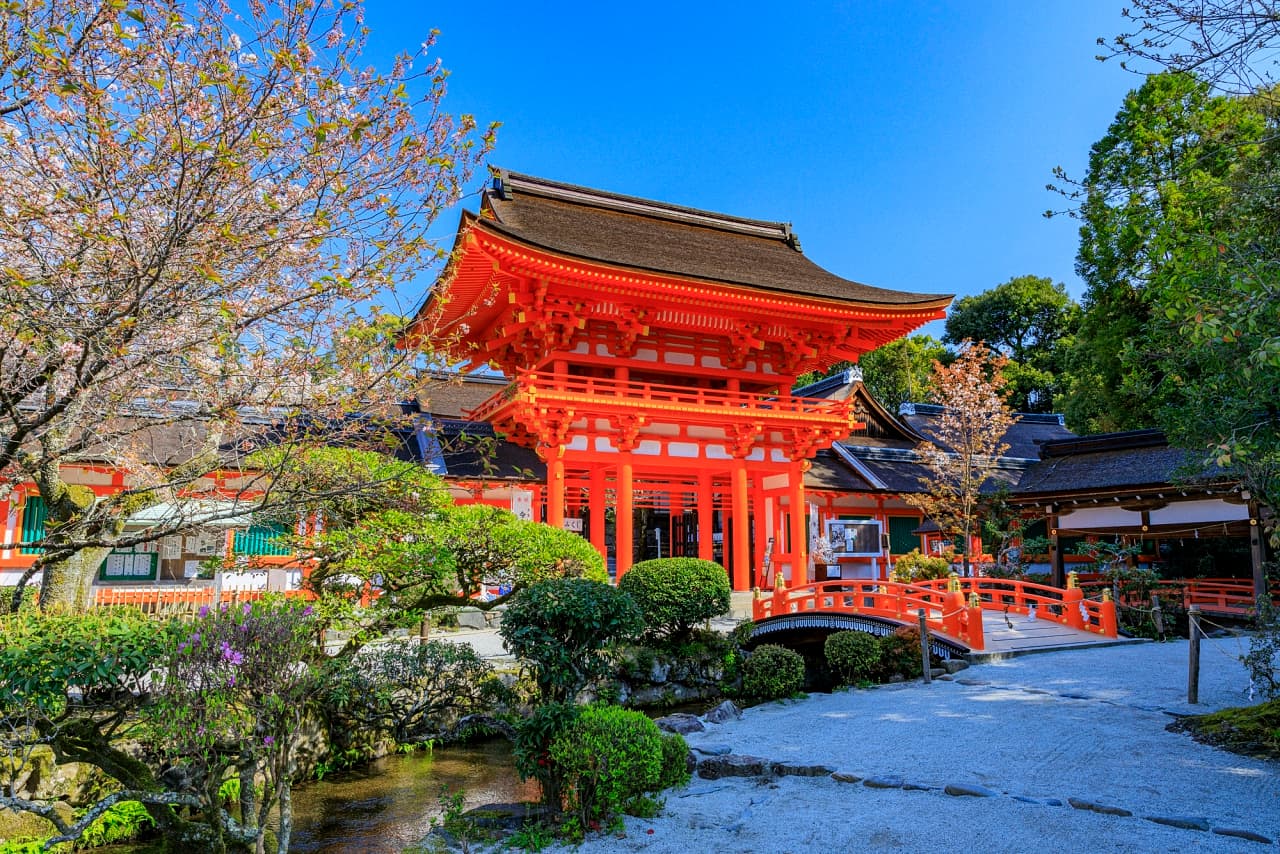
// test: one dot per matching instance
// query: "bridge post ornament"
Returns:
(975, 601)
(1106, 594)
(1072, 580)
(953, 583)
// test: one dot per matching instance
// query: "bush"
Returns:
(1263, 659)
(771, 673)
(854, 656)
(900, 653)
(675, 761)
(913, 567)
(676, 593)
(563, 626)
(531, 751)
(28, 599)
(610, 758)
(543, 552)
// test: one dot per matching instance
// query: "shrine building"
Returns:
(649, 352)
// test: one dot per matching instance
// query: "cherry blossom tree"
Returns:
(968, 441)
(206, 209)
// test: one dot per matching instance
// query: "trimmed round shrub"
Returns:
(675, 761)
(542, 552)
(900, 653)
(677, 593)
(853, 656)
(772, 673)
(609, 759)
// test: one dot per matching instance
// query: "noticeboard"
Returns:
(129, 566)
(855, 537)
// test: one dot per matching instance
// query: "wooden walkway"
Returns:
(1017, 634)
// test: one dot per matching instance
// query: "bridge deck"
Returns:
(1021, 636)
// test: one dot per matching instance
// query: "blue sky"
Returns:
(908, 143)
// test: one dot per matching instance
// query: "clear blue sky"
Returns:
(908, 143)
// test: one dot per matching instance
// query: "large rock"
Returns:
(723, 713)
(732, 765)
(681, 723)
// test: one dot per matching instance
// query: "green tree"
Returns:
(1030, 319)
(1163, 178)
(896, 373)
(902, 370)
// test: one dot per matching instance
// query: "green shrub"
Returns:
(532, 749)
(677, 593)
(675, 761)
(771, 673)
(900, 653)
(542, 552)
(853, 656)
(28, 599)
(913, 567)
(562, 628)
(610, 758)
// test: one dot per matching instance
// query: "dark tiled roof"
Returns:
(469, 450)
(1024, 438)
(1110, 461)
(831, 473)
(453, 397)
(661, 238)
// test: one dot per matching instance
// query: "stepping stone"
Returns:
(972, 682)
(723, 713)
(712, 749)
(1047, 802)
(845, 777)
(1082, 804)
(955, 665)
(1180, 821)
(883, 782)
(788, 769)
(680, 723)
(963, 790)
(1237, 833)
(918, 787)
(732, 765)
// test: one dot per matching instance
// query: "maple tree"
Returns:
(967, 443)
(205, 211)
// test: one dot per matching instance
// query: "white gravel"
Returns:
(1084, 724)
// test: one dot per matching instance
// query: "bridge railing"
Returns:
(946, 611)
(1067, 606)
(1228, 596)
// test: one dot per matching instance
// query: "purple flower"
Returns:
(269, 740)
(248, 609)
(203, 612)
(308, 611)
(231, 681)
(195, 639)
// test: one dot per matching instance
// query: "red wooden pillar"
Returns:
(625, 517)
(741, 522)
(706, 514)
(799, 533)
(597, 506)
(555, 487)
(759, 511)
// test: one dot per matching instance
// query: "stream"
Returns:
(389, 804)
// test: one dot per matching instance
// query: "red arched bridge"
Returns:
(964, 615)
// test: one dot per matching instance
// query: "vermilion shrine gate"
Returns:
(651, 351)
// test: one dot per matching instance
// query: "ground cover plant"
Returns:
(772, 672)
(677, 593)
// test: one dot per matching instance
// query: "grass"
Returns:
(1250, 730)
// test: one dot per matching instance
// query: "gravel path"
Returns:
(1086, 726)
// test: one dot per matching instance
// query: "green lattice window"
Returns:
(262, 540)
(34, 513)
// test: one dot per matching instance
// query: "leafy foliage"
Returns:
(772, 673)
(610, 758)
(1263, 658)
(563, 627)
(900, 653)
(853, 656)
(1029, 319)
(675, 761)
(914, 566)
(413, 691)
(674, 594)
